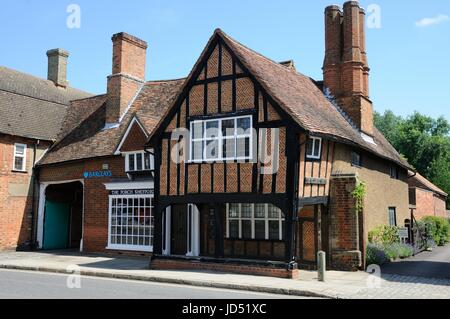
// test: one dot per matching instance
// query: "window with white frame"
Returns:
(20, 157)
(138, 161)
(131, 223)
(313, 148)
(254, 221)
(222, 139)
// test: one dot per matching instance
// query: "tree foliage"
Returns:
(423, 141)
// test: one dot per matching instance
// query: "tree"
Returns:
(423, 141)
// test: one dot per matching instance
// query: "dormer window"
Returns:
(138, 162)
(314, 148)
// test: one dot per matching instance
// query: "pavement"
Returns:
(338, 285)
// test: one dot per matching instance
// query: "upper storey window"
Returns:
(138, 162)
(221, 139)
(20, 155)
(313, 148)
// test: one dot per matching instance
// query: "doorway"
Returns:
(63, 216)
(179, 230)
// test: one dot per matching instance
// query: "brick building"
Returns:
(25, 101)
(425, 198)
(246, 165)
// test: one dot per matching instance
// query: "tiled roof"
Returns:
(84, 135)
(25, 100)
(297, 94)
(300, 97)
(420, 181)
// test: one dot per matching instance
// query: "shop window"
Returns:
(254, 221)
(131, 223)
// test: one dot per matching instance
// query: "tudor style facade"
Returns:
(216, 201)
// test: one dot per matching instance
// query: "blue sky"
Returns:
(409, 56)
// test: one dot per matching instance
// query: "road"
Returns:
(34, 285)
(435, 264)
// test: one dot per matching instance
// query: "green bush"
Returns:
(379, 254)
(385, 235)
(438, 229)
(384, 245)
(375, 255)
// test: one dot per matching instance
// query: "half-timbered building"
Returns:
(248, 159)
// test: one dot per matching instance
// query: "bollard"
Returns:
(321, 265)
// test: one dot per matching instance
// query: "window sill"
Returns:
(256, 240)
(357, 166)
(19, 172)
(130, 248)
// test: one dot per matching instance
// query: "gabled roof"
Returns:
(25, 100)
(300, 97)
(421, 182)
(85, 135)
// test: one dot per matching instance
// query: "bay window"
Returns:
(254, 221)
(138, 161)
(221, 139)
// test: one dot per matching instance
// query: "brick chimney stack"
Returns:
(128, 74)
(346, 70)
(57, 67)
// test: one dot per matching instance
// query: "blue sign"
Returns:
(97, 174)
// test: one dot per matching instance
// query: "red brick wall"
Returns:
(135, 141)
(428, 204)
(344, 225)
(15, 205)
(128, 73)
(96, 200)
(230, 268)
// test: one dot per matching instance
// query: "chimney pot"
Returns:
(57, 66)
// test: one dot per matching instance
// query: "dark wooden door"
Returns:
(179, 230)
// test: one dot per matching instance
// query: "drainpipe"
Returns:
(34, 178)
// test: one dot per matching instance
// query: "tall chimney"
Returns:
(57, 66)
(348, 82)
(333, 49)
(128, 74)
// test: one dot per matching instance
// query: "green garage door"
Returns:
(56, 225)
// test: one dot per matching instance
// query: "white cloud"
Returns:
(425, 22)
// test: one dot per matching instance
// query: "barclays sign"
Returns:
(97, 174)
